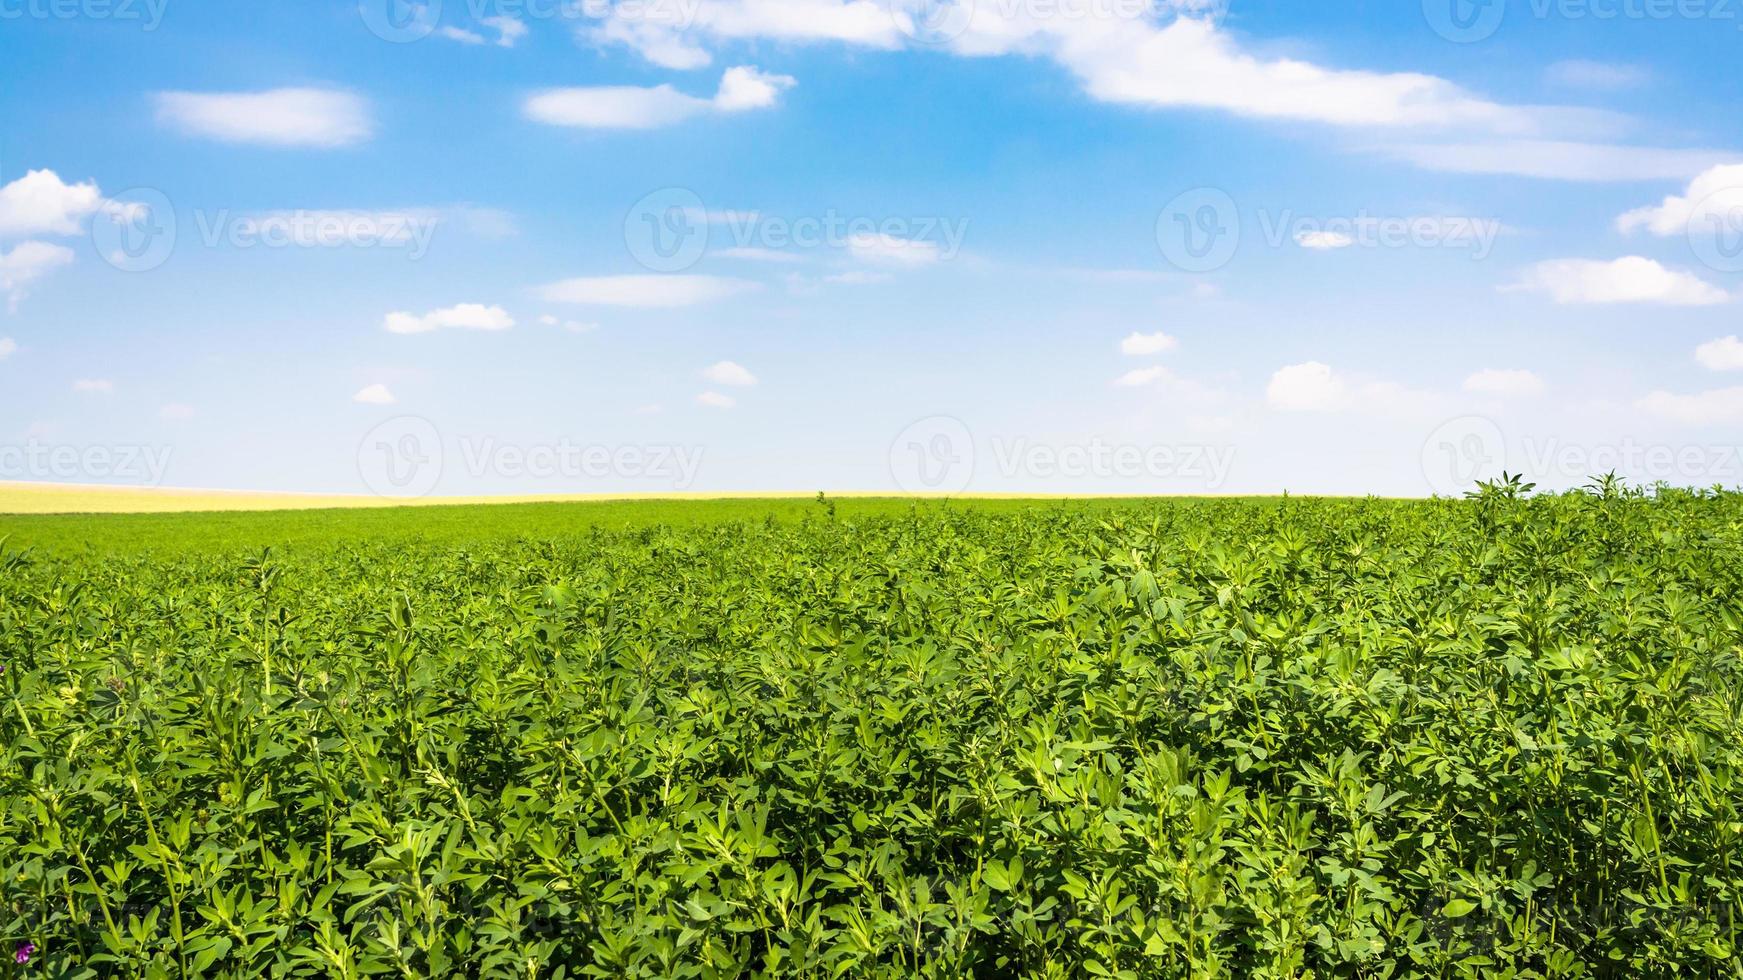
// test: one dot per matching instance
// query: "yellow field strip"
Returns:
(65, 498)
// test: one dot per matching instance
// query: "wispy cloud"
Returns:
(652, 292)
(466, 316)
(288, 117)
(628, 107)
(729, 373)
(27, 262)
(376, 394)
(1632, 279)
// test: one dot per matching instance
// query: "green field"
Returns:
(878, 738)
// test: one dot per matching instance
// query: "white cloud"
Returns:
(1191, 63)
(745, 88)
(714, 399)
(890, 250)
(613, 107)
(508, 31)
(1309, 387)
(176, 412)
(1724, 354)
(1146, 344)
(1129, 58)
(1323, 240)
(1194, 395)
(278, 117)
(1499, 381)
(1174, 54)
(573, 326)
(466, 316)
(1142, 376)
(26, 263)
(1316, 387)
(374, 395)
(753, 253)
(1713, 196)
(8, 346)
(1719, 406)
(670, 42)
(1632, 279)
(630, 107)
(93, 386)
(40, 203)
(1603, 75)
(1552, 159)
(729, 373)
(857, 277)
(652, 292)
(460, 34)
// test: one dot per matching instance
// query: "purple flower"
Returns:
(24, 953)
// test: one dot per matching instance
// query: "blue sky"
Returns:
(427, 262)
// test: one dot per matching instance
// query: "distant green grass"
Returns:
(233, 531)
